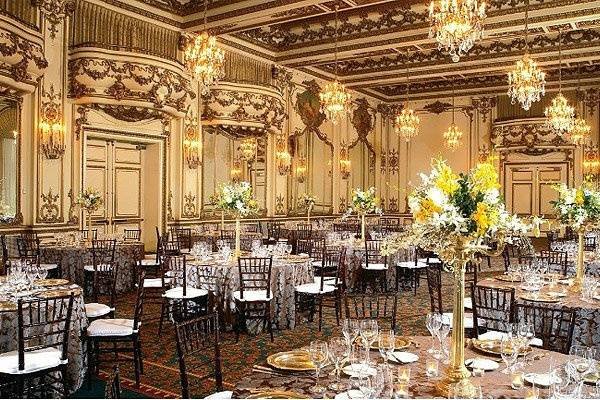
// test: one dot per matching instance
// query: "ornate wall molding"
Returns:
(102, 77)
(529, 136)
(364, 123)
(49, 211)
(484, 105)
(189, 206)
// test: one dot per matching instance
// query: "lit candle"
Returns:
(402, 391)
(431, 368)
(403, 375)
(517, 380)
(477, 370)
(532, 394)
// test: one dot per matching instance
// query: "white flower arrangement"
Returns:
(577, 207)
(90, 199)
(307, 201)
(236, 198)
(364, 202)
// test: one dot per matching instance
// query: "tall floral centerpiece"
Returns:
(308, 202)
(363, 203)
(458, 216)
(578, 208)
(90, 200)
(238, 199)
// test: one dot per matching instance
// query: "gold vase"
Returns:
(456, 380)
(89, 224)
(308, 214)
(362, 227)
(238, 251)
(580, 266)
(222, 220)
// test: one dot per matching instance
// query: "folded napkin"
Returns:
(227, 394)
(495, 335)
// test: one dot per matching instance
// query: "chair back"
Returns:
(43, 323)
(434, 285)
(317, 249)
(132, 235)
(228, 236)
(138, 309)
(3, 255)
(195, 339)
(493, 308)
(330, 266)
(304, 246)
(506, 259)
(183, 236)
(103, 253)
(113, 384)
(553, 325)
(170, 246)
(380, 306)
(85, 234)
(255, 274)
(373, 253)
(558, 261)
(176, 269)
(589, 243)
(252, 228)
(274, 230)
(28, 246)
(303, 231)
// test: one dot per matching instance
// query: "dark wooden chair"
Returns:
(117, 336)
(132, 235)
(28, 245)
(3, 255)
(103, 259)
(228, 236)
(196, 340)
(303, 231)
(184, 237)
(379, 306)
(506, 258)
(553, 325)
(493, 308)
(39, 365)
(113, 384)
(85, 233)
(374, 269)
(103, 283)
(434, 286)
(253, 300)
(589, 243)
(558, 261)
(304, 246)
(274, 231)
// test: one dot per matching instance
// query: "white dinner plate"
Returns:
(557, 294)
(482, 363)
(404, 357)
(350, 394)
(541, 379)
(359, 369)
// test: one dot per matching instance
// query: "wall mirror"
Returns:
(9, 160)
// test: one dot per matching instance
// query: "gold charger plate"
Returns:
(51, 282)
(277, 394)
(401, 343)
(493, 347)
(295, 360)
(592, 378)
(8, 306)
(542, 298)
(507, 278)
(59, 293)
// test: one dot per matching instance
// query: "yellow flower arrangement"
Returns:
(447, 181)
(484, 178)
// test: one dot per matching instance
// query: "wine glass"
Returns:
(386, 343)
(338, 351)
(509, 351)
(368, 331)
(318, 355)
(433, 323)
(442, 334)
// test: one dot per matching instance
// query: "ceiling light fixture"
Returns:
(560, 116)
(453, 135)
(407, 122)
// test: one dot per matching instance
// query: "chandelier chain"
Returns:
(559, 60)
(527, 26)
(336, 40)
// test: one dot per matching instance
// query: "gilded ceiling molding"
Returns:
(590, 98)
(389, 111)
(22, 60)
(102, 79)
(55, 12)
(527, 136)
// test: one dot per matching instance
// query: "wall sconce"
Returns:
(591, 162)
(248, 148)
(345, 163)
(301, 169)
(236, 170)
(52, 129)
(284, 159)
(192, 145)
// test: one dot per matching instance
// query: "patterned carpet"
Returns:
(161, 374)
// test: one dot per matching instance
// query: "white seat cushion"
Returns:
(48, 266)
(468, 319)
(411, 264)
(149, 261)
(314, 288)
(153, 282)
(150, 256)
(252, 295)
(101, 267)
(329, 280)
(468, 303)
(95, 310)
(224, 395)
(375, 267)
(110, 327)
(190, 293)
(431, 260)
(36, 360)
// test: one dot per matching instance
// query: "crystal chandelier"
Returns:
(581, 130)
(407, 122)
(235, 173)
(453, 135)
(526, 82)
(560, 116)
(203, 58)
(248, 148)
(335, 100)
(456, 25)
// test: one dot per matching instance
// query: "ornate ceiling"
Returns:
(380, 38)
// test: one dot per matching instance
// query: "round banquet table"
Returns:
(587, 321)
(73, 258)
(494, 384)
(211, 237)
(223, 278)
(76, 352)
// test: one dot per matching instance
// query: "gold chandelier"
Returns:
(456, 25)
(248, 148)
(203, 58)
(453, 135)
(235, 173)
(526, 82)
(407, 122)
(560, 116)
(335, 100)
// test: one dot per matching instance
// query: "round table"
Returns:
(73, 258)
(587, 321)
(494, 384)
(76, 352)
(223, 279)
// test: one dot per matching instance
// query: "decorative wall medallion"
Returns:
(308, 107)
(55, 12)
(393, 161)
(22, 59)
(438, 107)
(280, 205)
(392, 205)
(362, 119)
(49, 211)
(189, 206)
(342, 207)
(73, 209)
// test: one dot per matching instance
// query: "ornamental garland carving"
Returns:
(189, 206)
(258, 108)
(124, 80)
(49, 210)
(22, 59)
(530, 137)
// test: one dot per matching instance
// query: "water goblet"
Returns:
(442, 334)
(368, 331)
(338, 352)
(433, 323)
(386, 344)
(318, 355)
(509, 351)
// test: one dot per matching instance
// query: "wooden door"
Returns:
(528, 188)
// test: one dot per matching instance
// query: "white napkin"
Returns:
(404, 357)
(495, 335)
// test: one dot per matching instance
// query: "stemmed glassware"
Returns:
(442, 334)
(369, 330)
(509, 350)
(433, 323)
(338, 352)
(319, 355)
(386, 344)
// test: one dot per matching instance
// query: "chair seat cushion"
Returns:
(153, 282)
(95, 310)
(430, 260)
(375, 267)
(149, 262)
(190, 293)
(314, 288)
(468, 303)
(226, 394)
(329, 280)
(468, 319)
(110, 327)
(48, 266)
(101, 267)
(411, 264)
(252, 295)
(36, 360)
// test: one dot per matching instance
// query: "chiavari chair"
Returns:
(184, 237)
(553, 325)
(117, 336)
(132, 235)
(379, 306)
(374, 269)
(28, 245)
(228, 236)
(304, 246)
(100, 279)
(506, 258)
(589, 243)
(552, 237)
(3, 255)
(434, 286)
(253, 300)
(408, 270)
(317, 249)
(325, 290)
(274, 231)
(85, 233)
(558, 261)
(493, 308)
(181, 301)
(570, 233)
(303, 231)
(252, 228)
(196, 340)
(113, 384)
(40, 362)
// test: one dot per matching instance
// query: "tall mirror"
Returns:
(9, 159)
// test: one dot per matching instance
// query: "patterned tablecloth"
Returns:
(223, 278)
(494, 384)
(77, 360)
(72, 260)
(587, 322)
